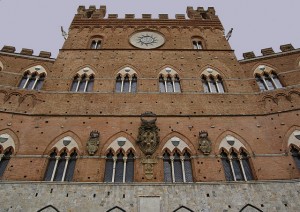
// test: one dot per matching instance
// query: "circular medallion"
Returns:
(147, 40)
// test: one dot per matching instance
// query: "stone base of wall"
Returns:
(204, 197)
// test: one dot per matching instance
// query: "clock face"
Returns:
(147, 40)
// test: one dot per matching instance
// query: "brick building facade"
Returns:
(133, 102)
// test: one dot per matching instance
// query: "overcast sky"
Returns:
(257, 24)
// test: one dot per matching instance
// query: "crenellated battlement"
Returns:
(200, 13)
(25, 52)
(93, 13)
(269, 52)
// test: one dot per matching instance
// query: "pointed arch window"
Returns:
(83, 81)
(126, 81)
(119, 167)
(296, 156)
(61, 168)
(266, 78)
(4, 160)
(169, 84)
(177, 167)
(212, 81)
(236, 166)
(33, 78)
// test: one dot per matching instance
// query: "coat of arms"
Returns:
(204, 143)
(148, 138)
(93, 142)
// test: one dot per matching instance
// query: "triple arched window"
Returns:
(169, 81)
(33, 78)
(126, 81)
(62, 161)
(212, 81)
(119, 166)
(83, 81)
(177, 161)
(266, 78)
(235, 162)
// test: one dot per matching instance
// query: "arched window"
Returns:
(120, 159)
(33, 78)
(4, 160)
(126, 81)
(96, 44)
(212, 81)
(169, 81)
(236, 166)
(177, 167)
(266, 78)
(119, 168)
(60, 168)
(197, 44)
(83, 81)
(235, 160)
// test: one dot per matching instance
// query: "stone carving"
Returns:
(204, 143)
(148, 138)
(148, 163)
(93, 142)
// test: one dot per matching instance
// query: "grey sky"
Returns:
(257, 24)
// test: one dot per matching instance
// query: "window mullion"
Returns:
(265, 83)
(114, 169)
(231, 166)
(172, 167)
(124, 169)
(55, 166)
(166, 88)
(217, 86)
(36, 79)
(274, 83)
(86, 83)
(25, 84)
(173, 83)
(65, 168)
(130, 82)
(182, 167)
(209, 85)
(78, 82)
(241, 164)
(122, 84)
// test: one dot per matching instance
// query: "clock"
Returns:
(147, 39)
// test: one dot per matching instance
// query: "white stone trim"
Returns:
(9, 142)
(60, 145)
(293, 139)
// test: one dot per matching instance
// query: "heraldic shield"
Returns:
(148, 138)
